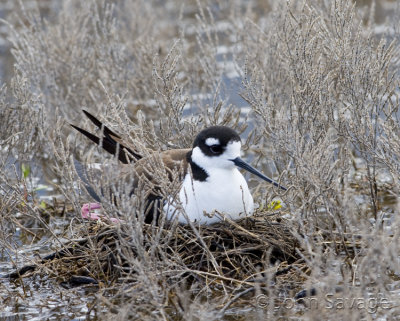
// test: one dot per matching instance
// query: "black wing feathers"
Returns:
(108, 142)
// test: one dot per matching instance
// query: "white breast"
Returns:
(225, 191)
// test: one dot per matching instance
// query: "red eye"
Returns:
(216, 149)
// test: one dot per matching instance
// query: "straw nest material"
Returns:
(238, 253)
(233, 252)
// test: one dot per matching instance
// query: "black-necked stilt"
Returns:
(211, 180)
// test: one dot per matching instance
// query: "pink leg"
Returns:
(115, 220)
(86, 211)
(87, 214)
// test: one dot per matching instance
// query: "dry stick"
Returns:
(241, 228)
(213, 261)
(244, 230)
(221, 277)
(235, 298)
(24, 228)
(42, 221)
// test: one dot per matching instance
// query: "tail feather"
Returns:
(110, 141)
(106, 131)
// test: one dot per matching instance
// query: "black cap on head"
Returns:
(219, 137)
(222, 133)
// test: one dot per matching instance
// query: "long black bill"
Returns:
(242, 164)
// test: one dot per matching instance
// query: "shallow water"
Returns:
(37, 298)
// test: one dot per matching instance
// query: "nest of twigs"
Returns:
(240, 252)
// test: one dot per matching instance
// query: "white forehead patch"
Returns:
(212, 141)
(233, 149)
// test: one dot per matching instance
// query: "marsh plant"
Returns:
(312, 86)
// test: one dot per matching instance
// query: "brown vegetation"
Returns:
(319, 82)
